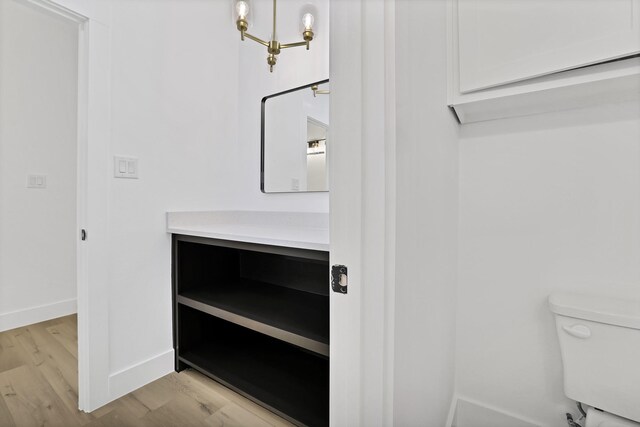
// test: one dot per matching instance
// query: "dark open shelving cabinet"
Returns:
(256, 319)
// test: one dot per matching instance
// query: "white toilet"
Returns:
(600, 346)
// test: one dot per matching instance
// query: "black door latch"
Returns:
(339, 279)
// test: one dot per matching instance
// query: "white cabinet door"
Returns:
(505, 41)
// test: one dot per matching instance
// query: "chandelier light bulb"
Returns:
(307, 21)
(242, 8)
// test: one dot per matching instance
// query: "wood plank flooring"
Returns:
(39, 387)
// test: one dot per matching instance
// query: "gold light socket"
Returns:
(242, 26)
(307, 35)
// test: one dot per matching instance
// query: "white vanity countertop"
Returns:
(305, 230)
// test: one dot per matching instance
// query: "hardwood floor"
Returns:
(39, 387)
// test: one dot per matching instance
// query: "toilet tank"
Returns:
(600, 346)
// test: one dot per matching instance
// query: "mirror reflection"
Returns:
(295, 124)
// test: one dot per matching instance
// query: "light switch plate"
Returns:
(125, 167)
(36, 181)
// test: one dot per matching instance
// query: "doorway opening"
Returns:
(41, 196)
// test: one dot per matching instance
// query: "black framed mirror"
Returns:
(295, 124)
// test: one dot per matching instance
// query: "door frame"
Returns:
(93, 138)
(362, 163)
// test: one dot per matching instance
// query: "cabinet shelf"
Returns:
(285, 379)
(297, 317)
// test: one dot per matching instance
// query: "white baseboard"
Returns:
(467, 412)
(31, 315)
(140, 374)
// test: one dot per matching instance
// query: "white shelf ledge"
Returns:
(599, 84)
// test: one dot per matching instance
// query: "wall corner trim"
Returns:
(452, 411)
(142, 373)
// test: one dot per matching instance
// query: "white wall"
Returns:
(38, 135)
(547, 203)
(295, 67)
(174, 106)
(426, 218)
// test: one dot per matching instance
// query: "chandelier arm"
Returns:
(296, 44)
(256, 39)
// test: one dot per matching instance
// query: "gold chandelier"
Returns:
(273, 46)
